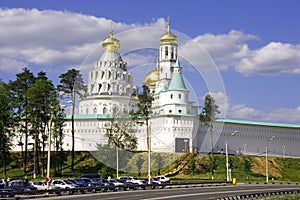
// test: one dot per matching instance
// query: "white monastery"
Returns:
(175, 125)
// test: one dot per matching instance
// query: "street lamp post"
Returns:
(267, 149)
(245, 145)
(226, 149)
(283, 151)
(185, 141)
(49, 151)
(149, 150)
(117, 152)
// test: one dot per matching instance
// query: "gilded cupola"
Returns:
(111, 43)
(168, 37)
(152, 77)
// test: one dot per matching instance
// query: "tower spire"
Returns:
(168, 24)
(110, 30)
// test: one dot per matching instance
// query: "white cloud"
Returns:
(274, 58)
(288, 115)
(226, 49)
(61, 38)
(231, 50)
(56, 38)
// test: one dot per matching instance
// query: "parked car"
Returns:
(86, 182)
(107, 185)
(2, 183)
(22, 186)
(141, 182)
(163, 179)
(128, 184)
(64, 184)
(41, 185)
(118, 185)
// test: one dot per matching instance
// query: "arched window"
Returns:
(179, 96)
(171, 96)
(166, 52)
(104, 110)
(115, 110)
(100, 86)
(95, 110)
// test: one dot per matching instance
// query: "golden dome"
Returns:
(168, 37)
(152, 77)
(111, 43)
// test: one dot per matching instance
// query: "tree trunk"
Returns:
(73, 131)
(26, 148)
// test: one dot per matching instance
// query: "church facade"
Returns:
(174, 125)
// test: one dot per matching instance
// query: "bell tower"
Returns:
(168, 45)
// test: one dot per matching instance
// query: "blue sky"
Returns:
(254, 44)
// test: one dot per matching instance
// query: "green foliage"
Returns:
(19, 89)
(159, 161)
(209, 110)
(246, 165)
(6, 124)
(121, 133)
(139, 162)
(192, 165)
(144, 104)
(72, 83)
(107, 155)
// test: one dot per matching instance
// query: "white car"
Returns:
(64, 184)
(140, 182)
(163, 179)
(40, 185)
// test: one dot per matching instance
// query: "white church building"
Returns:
(175, 125)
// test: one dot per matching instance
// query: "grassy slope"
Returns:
(280, 169)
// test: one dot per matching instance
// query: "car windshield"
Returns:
(96, 179)
(68, 182)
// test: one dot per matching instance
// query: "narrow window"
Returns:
(166, 52)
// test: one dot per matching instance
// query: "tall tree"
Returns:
(58, 120)
(19, 89)
(144, 113)
(72, 84)
(139, 162)
(159, 162)
(42, 97)
(208, 114)
(6, 124)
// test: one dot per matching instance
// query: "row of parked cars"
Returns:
(88, 180)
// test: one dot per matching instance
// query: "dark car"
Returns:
(107, 185)
(128, 184)
(22, 186)
(86, 182)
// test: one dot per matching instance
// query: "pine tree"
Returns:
(72, 84)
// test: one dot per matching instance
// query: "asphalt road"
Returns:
(191, 193)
